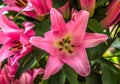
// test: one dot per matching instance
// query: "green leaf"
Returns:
(58, 78)
(26, 63)
(29, 61)
(98, 51)
(71, 75)
(95, 26)
(74, 4)
(110, 72)
(1, 2)
(42, 27)
(109, 75)
(58, 3)
(101, 3)
(116, 43)
(93, 78)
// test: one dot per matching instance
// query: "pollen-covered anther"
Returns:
(21, 3)
(17, 46)
(14, 48)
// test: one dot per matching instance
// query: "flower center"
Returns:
(17, 46)
(21, 3)
(65, 44)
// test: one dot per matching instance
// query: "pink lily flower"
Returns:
(14, 40)
(42, 7)
(112, 14)
(8, 72)
(88, 5)
(66, 43)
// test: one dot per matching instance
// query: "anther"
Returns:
(72, 45)
(16, 42)
(69, 41)
(60, 49)
(70, 51)
(60, 43)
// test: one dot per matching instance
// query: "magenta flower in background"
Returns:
(88, 5)
(65, 9)
(31, 8)
(14, 40)
(7, 74)
(20, 3)
(66, 43)
(112, 14)
(42, 7)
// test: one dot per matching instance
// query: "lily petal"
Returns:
(113, 11)
(28, 26)
(18, 9)
(93, 39)
(42, 7)
(3, 38)
(53, 66)
(8, 26)
(10, 2)
(37, 71)
(56, 19)
(65, 9)
(44, 44)
(4, 53)
(79, 62)
(88, 5)
(78, 26)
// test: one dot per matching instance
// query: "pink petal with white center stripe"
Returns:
(79, 61)
(79, 24)
(57, 20)
(8, 26)
(44, 44)
(53, 66)
(93, 39)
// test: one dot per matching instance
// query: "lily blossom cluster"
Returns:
(44, 36)
(15, 40)
(7, 74)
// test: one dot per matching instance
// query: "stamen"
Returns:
(16, 47)
(21, 3)
(60, 43)
(72, 45)
(16, 42)
(65, 44)
(70, 51)
(69, 41)
(67, 47)
(60, 49)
